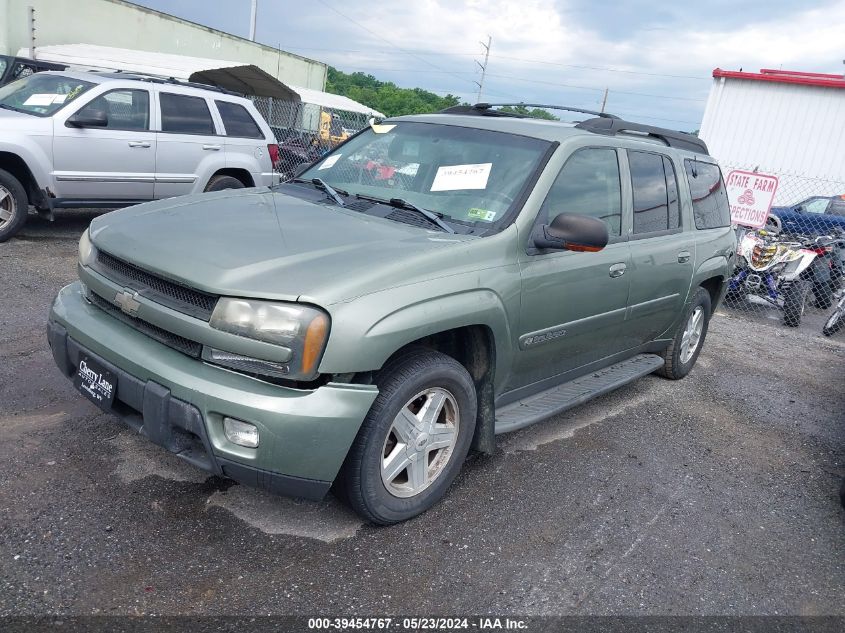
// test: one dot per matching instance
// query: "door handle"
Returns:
(617, 270)
(683, 257)
(139, 143)
(211, 147)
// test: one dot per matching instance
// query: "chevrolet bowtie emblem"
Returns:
(127, 302)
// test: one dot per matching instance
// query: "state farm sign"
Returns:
(750, 196)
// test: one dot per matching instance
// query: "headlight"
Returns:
(87, 251)
(299, 328)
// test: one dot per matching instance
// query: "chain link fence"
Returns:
(306, 131)
(792, 271)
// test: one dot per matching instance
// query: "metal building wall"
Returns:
(794, 131)
(125, 25)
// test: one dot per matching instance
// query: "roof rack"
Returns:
(486, 109)
(615, 126)
(162, 79)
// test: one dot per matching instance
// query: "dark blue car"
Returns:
(813, 216)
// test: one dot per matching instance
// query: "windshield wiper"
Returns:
(324, 186)
(399, 203)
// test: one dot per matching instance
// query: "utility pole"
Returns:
(252, 19)
(483, 66)
(604, 99)
(30, 19)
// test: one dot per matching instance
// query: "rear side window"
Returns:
(655, 187)
(185, 115)
(710, 206)
(588, 184)
(837, 207)
(238, 121)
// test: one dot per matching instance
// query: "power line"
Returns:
(484, 66)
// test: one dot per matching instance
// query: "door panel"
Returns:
(573, 310)
(189, 147)
(573, 304)
(116, 162)
(662, 250)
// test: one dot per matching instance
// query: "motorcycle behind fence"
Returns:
(784, 272)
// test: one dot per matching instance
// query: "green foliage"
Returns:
(386, 96)
(534, 113)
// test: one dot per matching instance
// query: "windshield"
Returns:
(465, 174)
(41, 94)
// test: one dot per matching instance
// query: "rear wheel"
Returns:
(414, 439)
(221, 182)
(14, 205)
(824, 293)
(795, 302)
(684, 349)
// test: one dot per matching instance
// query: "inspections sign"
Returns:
(750, 196)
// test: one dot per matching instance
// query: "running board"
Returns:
(570, 394)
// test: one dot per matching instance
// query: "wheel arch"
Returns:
(235, 172)
(17, 166)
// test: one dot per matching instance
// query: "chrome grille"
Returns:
(168, 293)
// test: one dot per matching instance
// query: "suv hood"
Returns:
(260, 243)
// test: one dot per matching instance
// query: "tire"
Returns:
(14, 205)
(678, 359)
(795, 301)
(405, 383)
(835, 322)
(823, 292)
(221, 182)
(773, 224)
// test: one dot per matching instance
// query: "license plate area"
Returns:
(95, 382)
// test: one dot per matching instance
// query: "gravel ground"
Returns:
(713, 495)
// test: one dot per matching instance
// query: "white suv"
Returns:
(86, 139)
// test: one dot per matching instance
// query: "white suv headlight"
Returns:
(301, 329)
(87, 250)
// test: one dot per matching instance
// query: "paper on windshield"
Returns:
(40, 100)
(329, 162)
(455, 177)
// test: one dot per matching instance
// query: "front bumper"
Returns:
(179, 403)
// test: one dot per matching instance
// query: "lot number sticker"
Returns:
(329, 162)
(750, 196)
(455, 177)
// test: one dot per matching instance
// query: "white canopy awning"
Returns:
(232, 75)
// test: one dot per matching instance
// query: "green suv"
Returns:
(435, 280)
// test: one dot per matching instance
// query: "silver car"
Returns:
(87, 139)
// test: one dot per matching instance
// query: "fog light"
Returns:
(240, 433)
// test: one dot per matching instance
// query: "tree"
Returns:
(534, 113)
(386, 96)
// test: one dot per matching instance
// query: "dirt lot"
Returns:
(717, 494)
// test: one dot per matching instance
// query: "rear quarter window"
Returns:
(238, 121)
(710, 208)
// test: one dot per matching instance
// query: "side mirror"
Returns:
(300, 169)
(572, 232)
(89, 118)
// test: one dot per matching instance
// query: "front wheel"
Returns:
(14, 205)
(683, 351)
(835, 321)
(414, 440)
(795, 302)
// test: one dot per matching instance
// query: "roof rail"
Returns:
(162, 79)
(486, 109)
(615, 126)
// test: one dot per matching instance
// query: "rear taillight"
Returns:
(821, 250)
(273, 150)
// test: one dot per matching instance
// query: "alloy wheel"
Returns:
(692, 334)
(420, 442)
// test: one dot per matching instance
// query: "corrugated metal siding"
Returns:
(788, 130)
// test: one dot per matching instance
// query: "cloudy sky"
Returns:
(655, 58)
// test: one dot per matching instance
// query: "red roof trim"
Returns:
(785, 77)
